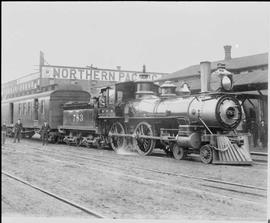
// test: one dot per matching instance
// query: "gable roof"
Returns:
(251, 78)
(232, 64)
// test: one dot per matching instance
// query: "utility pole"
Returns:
(41, 63)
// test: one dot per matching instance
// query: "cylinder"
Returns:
(205, 69)
(191, 141)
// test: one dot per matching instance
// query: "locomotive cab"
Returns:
(106, 101)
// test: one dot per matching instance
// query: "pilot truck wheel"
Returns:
(206, 154)
(179, 152)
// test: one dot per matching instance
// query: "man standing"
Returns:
(4, 133)
(263, 134)
(254, 131)
(18, 130)
(102, 98)
(45, 129)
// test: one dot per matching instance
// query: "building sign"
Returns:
(77, 73)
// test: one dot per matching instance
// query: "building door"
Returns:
(11, 108)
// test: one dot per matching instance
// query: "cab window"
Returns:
(119, 96)
(111, 96)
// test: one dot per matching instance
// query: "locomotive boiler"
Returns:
(215, 111)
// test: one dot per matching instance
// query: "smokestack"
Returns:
(144, 68)
(228, 52)
(205, 68)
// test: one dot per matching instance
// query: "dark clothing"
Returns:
(4, 133)
(18, 131)
(4, 128)
(254, 131)
(263, 135)
(45, 129)
(102, 101)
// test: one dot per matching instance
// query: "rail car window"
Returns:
(43, 110)
(29, 108)
(24, 108)
(20, 109)
(42, 106)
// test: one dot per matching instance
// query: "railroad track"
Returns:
(219, 182)
(259, 153)
(64, 200)
(161, 172)
(176, 174)
(241, 189)
(255, 161)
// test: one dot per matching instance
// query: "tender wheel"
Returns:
(206, 154)
(179, 152)
(78, 141)
(168, 150)
(117, 142)
(56, 140)
(168, 153)
(29, 136)
(144, 146)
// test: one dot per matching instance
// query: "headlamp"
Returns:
(226, 83)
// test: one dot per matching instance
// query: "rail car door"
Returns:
(36, 112)
(11, 109)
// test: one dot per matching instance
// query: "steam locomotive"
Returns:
(143, 116)
(140, 115)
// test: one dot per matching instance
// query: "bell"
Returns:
(184, 88)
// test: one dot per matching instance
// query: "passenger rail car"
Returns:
(34, 109)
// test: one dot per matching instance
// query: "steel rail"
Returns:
(86, 210)
(179, 174)
(173, 174)
(259, 153)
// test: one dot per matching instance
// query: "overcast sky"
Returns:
(165, 37)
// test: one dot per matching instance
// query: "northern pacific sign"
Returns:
(79, 73)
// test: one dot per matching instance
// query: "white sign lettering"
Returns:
(92, 74)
